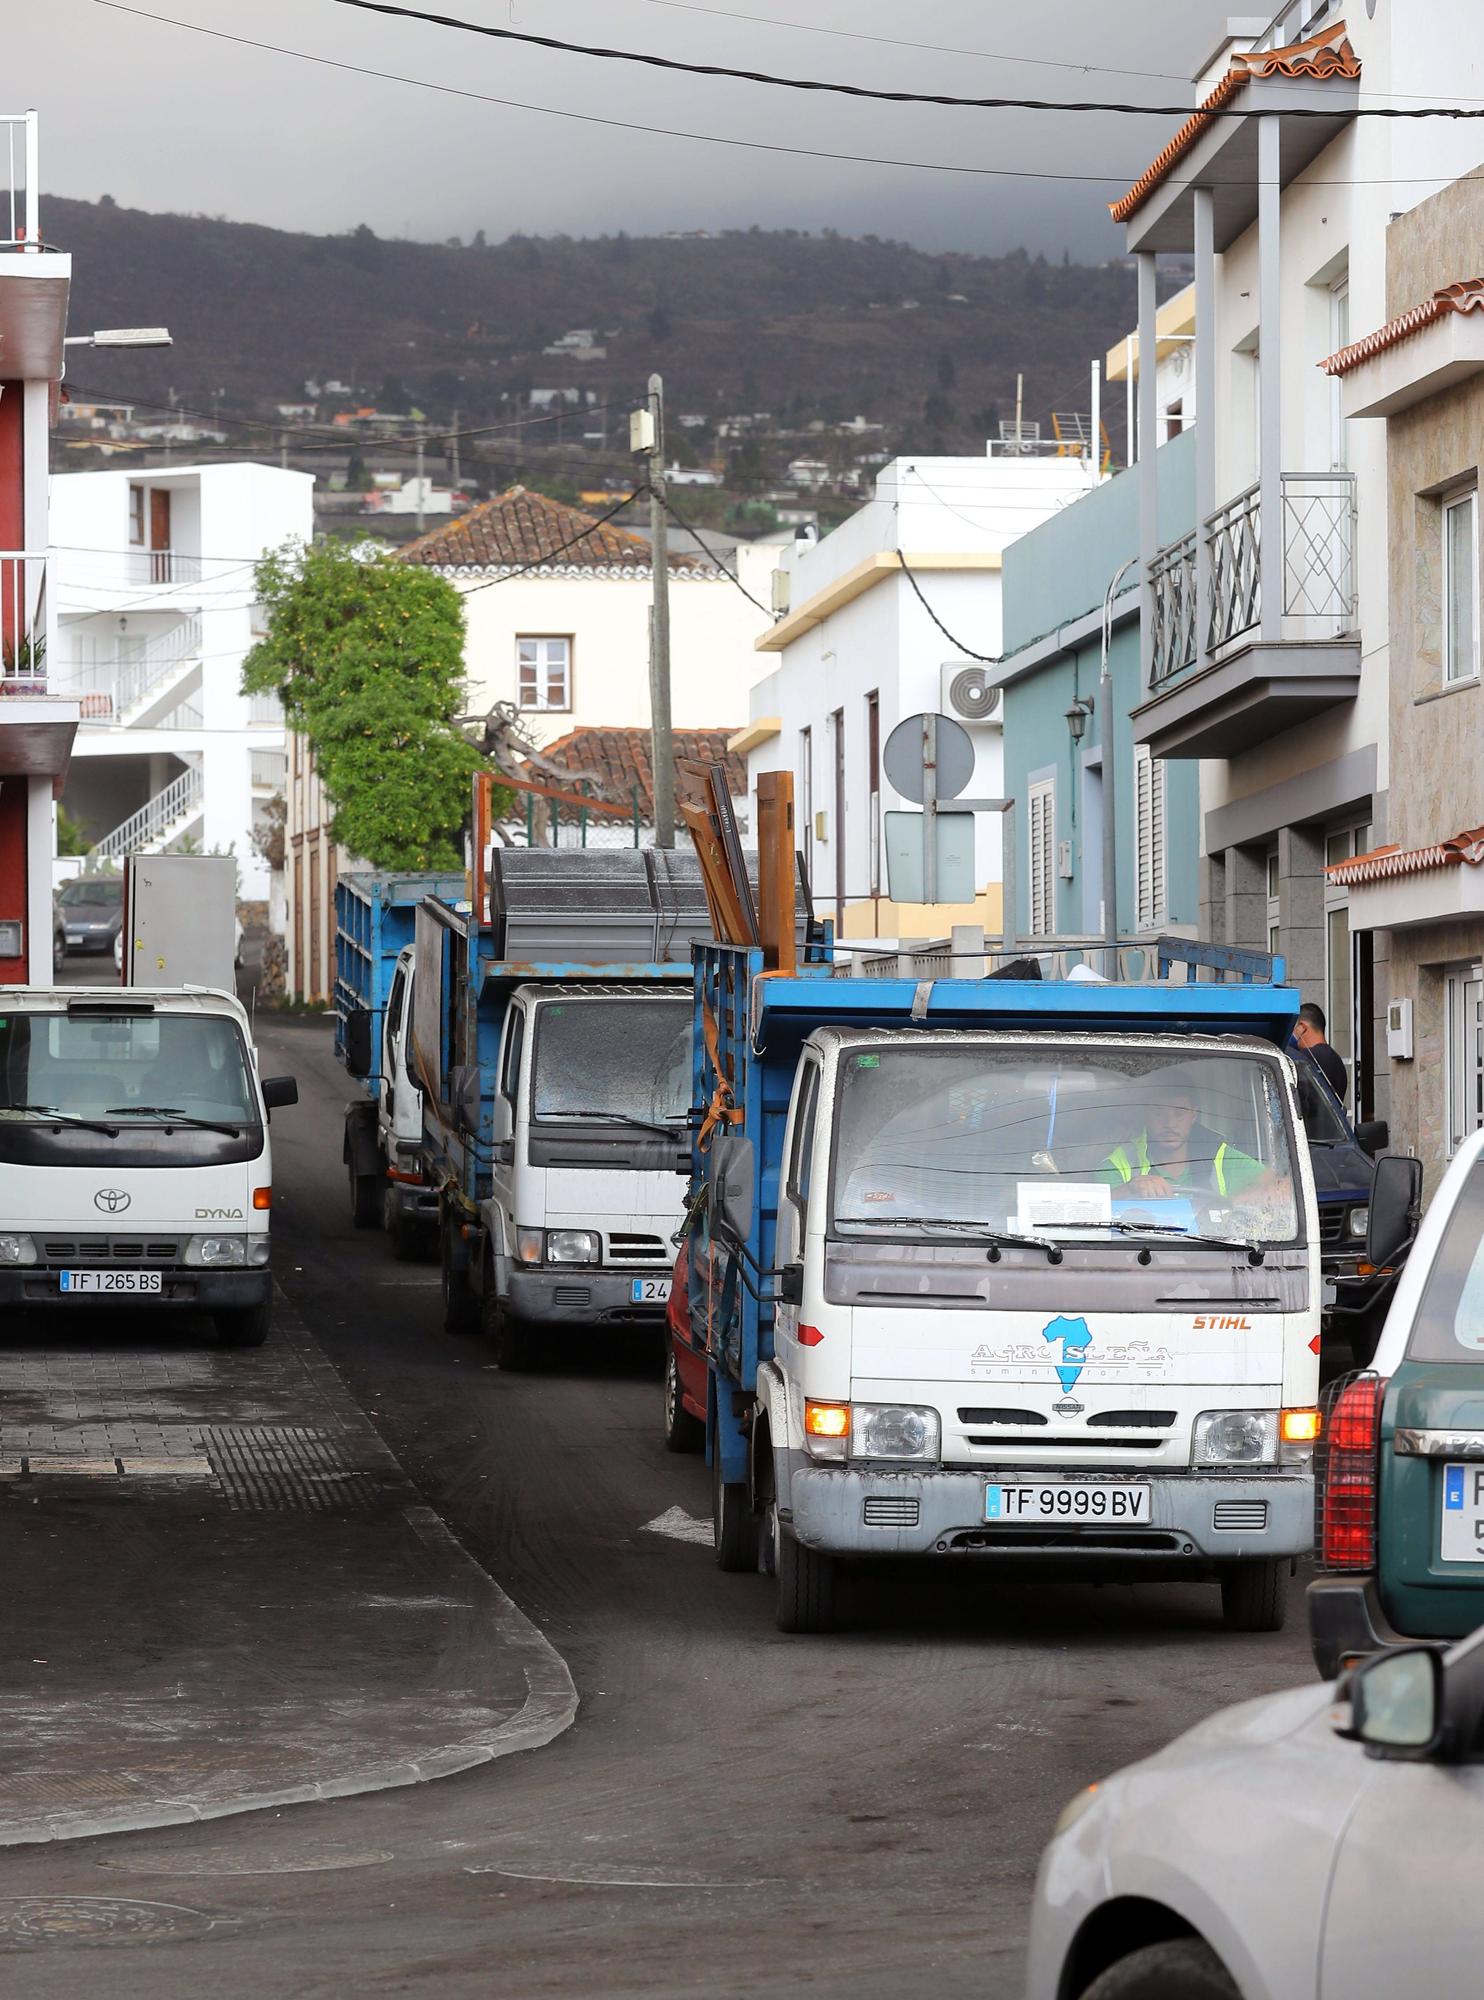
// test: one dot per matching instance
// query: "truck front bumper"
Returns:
(1346, 1622)
(854, 1510)
(192, 1290)
(581, 1295)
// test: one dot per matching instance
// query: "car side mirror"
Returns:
(1395, 1703)
(732, 1167)
(1373, 1136)
(280, 1090)
(358, 1041)
(1396, 1205)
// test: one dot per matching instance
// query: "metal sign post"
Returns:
(929, 759)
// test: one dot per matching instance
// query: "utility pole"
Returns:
(647, 439)
(419, 479)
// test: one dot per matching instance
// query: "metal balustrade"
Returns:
(22, 622)
(1234, 538)
(1173, 575)
(145, 830)
(111, 682)
(20, 189)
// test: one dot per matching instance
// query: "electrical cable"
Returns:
(1124, 176)
(730, 575)
(543, 561)
(875, 95)
(985, 659)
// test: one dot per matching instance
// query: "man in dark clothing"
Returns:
(1309, 1034)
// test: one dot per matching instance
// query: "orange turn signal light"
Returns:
(827, 1420)
(1300, 1426)
(262, 1197)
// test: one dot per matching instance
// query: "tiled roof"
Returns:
(1465, 296)
(1384, 864)
(518, 528)
(1322, 56)
(617, 760)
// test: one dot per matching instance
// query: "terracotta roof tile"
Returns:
(518, 528)
(1465, 296)
(1324, 55)
(1384, 864)
(614, 761)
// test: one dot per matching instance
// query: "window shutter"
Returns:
(1041, 799)
(1149, 838)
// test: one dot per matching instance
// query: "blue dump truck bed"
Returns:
(374, 917)
(752, 1023)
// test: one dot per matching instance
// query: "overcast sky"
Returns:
(163, 118)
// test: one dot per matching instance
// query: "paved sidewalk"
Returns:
(221, 1592)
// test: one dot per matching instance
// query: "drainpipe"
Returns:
(1110, 819)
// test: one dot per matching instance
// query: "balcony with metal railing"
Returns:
(34, 279)
(1256, 668)
(22, 623)
(128, 684)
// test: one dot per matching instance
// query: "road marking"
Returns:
(597, 1875)
(679, 1526)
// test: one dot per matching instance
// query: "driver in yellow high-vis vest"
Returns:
(1175, 1154)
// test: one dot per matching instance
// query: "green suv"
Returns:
(1400, 1477)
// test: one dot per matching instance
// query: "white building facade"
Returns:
(896, 612)
(155, 612)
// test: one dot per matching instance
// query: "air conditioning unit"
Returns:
(968, 695)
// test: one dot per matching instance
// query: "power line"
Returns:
(872, 93)
(731, 576)
(1123, 175)
(986, 659)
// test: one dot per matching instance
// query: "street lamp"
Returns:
(1077, 716)
(121, 336)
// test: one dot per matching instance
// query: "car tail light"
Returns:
(1347, 1537)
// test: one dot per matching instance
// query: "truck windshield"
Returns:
(136, 1068)
(613, 1058)
(1074, 1143)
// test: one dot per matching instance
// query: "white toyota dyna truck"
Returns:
(135, 1166)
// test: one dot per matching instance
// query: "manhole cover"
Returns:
(228, 1861)
(265, 1468)
(27, 1921)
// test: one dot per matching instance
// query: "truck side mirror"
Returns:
(791, 1285)
(280, 1090)
(732, 1167)
(464, 1094)
(1396, 1205)
(358, 1041)
(1373, 1136)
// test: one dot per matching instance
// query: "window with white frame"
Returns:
(544, 672)
(1149, 839)
(136, 517)
(1341, 844)
(1041, 814)
(1461, 587)
(1464, 1069)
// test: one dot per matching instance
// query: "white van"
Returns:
(134, 1157)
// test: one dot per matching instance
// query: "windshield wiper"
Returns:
(998, 1239)
(670, 1130)
(1256, 1251)
(66, 1118)
(173, 1115)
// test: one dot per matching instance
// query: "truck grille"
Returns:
(1332, 1222)
(572, 1295)
(631, 1249)
(890, 1510)
(112, 1249)
(1240, 1516)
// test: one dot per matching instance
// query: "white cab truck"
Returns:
(135, 1166)
(1015, 1271)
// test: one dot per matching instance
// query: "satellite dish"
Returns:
(904, 757)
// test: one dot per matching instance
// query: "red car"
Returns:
(685, 1367)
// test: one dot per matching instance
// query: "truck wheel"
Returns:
(511, 1345)
(1254, 1595)
(1178, 1969)
(460, 1307)
(733, 1524)
(683, 1432)
(405, 1235)
(805, 1580)
(365, 1198)
(246, 1327)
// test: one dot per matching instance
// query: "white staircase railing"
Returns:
(112, 685)
(144, 830)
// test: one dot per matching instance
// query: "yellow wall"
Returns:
(880, 917)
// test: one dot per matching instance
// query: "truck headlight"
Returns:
(1235, 1437)
(572, 1246)
(893, 1430)
(1360, 1221)
(216, 1252)
(17, 1250)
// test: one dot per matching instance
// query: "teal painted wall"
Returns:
(1051, 577)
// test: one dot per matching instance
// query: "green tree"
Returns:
(368, 658)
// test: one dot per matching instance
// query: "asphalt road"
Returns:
(734, 1812)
